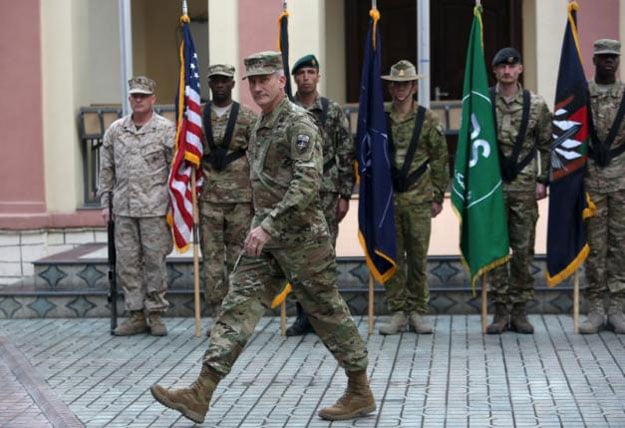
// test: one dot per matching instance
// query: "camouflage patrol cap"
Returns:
(260, 63)
(306, 61)
(141, 85)
(221, 70)
(402, 71)
(607, 47)
(507, 56)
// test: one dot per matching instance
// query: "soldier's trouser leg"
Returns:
(141, 246)
(597, 238)
(522, 217)
(407, 290)
(616, 243)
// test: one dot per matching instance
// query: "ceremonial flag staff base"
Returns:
(196, 260)
(576, 302)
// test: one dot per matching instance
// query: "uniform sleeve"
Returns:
(439, 163)
(346, 153)
(543, 142)
(307, 163)
(107, 168)
(170, 143)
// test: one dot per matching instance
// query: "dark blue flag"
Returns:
(283, 47)
(568, 203)
(376, 221)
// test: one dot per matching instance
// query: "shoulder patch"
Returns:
(302, 142)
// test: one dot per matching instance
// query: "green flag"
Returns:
(477, 195)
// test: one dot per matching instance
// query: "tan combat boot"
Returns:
(501, 320)
(419, 325)
(136, 324)
(157, 326)
(396, 325)
(356, 401)
(595, 319)
(616, 319)
(193, 401)
(519, 321)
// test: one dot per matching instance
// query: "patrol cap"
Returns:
(260, 63)
(141, 85)
(402, 71)
(306, 61)
(507, 56)
(221, 70)
(607, 47)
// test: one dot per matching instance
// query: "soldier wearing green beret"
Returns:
(288, 241)
(339, 153)
(523, 123)
(420, 174)
(605, 183)
(226, 199)
(134, 166)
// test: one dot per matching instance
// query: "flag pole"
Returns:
(283, 318)
(371, 303)
(484, 302)
(576, 302)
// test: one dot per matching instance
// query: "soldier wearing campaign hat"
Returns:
(288, 241)
(226, 200)
(420, 175)
(605, 184)
(134, 166)
(523, 123)
(339, 154)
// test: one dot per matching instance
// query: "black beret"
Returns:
(507, 56)
(305, 61)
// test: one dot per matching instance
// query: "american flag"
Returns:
(188, 143)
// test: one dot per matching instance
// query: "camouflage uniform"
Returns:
(286, 161)
(339, 154)
(407, 290)
(135, 167)
(606, 187)
(517, 284)
(225, 205)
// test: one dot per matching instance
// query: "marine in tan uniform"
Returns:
(605, 183)
(339, 153)
(134, 166)
(420, 175)
(226, 199)
(523, 141)
(289, 240)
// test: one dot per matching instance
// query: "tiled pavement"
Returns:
(454, 378)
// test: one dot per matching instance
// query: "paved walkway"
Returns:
(54, 372)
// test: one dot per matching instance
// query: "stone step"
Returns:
(74, 283)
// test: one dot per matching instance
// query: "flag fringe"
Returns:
(381, 278)
(552, 281)
(281, 296)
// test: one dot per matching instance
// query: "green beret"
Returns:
(306, 61)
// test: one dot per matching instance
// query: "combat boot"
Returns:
(301, 325)
(136, 324)
(192, 402)
(396, 325)
(616, 319)
(519, 321)
(356, 401)
(501, 320)
(419, 325)
(595, 319)
(157, 326)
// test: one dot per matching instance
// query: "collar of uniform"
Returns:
(316, 105)
(518, 97)
(410, 116)
(614, 91)
(129, 125)
(268, 120)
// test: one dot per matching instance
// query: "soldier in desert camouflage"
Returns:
(134, 167)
